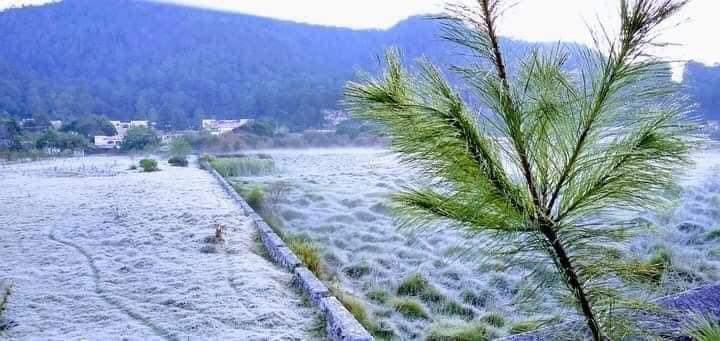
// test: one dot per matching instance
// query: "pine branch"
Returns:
(615, 150)
(637, 27)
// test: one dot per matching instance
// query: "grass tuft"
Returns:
(704, 328)
(494, 319)
(524, 327)
(410, 308)
(458, 332)
(432, 295)
(384, 331)
(661, 261)
(357, 270)
(358, 310)
(451, 307)
(309, 254)
(379, 296)
(474, 299)
(255, 198)
(413, 285)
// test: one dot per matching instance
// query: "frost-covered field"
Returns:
(339, 198)
(98, 252)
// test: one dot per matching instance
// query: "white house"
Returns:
(108, 142)
(56, 124)
(219, 127)
(144, 124)
(122, 127)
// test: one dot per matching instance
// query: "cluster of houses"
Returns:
(114, 142)
(219, 127)
(214, 127)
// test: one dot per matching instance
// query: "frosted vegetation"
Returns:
(100, 252)
(239, 166)
(429, 283)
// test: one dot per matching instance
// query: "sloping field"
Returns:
(100, 252)
(340, 199)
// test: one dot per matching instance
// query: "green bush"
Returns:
(255, 198)
(410, 308)
(149, 165)
(243, 166)
(458, 332)
(178, 161)
(139, 138)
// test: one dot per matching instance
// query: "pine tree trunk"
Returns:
(571, 279)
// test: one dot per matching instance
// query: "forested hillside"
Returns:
(128, 59)
(132, 59)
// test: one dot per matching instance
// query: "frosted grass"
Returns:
(339, 198)
(99, 252)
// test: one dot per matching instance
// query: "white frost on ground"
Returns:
(103, 253)
(340, 197)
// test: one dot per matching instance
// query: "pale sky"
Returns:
(533, 20)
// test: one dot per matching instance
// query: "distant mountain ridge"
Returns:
(131, 59)
(702, 84)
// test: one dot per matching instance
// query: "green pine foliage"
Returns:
(538, 172)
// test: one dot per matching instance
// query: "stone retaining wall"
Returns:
(340, 323)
